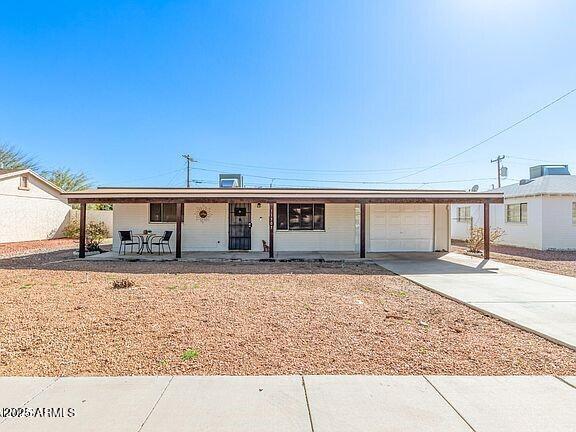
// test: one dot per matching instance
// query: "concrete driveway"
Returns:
(543, 303)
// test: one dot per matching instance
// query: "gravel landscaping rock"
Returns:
(559, 262)
(64, 317)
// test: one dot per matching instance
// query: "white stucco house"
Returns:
(538, 213)
(231, 219)
(31, 208)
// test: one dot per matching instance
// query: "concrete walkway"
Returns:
(543, 303)
(292, 403)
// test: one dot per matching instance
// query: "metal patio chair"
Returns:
(126, 239)
(161, 241)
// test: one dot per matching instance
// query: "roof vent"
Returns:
(525, 181)
(230, 181)
(546, 170)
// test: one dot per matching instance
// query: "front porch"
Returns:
(244, 256)
(280, 224)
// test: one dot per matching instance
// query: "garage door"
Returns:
(401, 228)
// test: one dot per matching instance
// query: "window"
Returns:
(162, 212)
(517, 213)
(574, 213)
(24, 183)
(300, 217)
(463, 214)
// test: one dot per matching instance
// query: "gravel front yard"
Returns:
(65, 318)
(36, 246)
(559, 262)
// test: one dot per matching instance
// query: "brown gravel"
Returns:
(37, 246)
(65, 318)
(559, 262)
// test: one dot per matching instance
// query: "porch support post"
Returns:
(179, 211)
(271, 231)
(486, 230)
(82, 247)
(362, 230)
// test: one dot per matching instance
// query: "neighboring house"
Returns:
(539, 213)
(31, 208)
(222, 219)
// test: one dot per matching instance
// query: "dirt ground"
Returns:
(559, 262)
(36, 246)
(62, 317)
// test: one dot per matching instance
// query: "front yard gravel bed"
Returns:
(65, 318)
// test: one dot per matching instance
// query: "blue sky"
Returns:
(121, 89)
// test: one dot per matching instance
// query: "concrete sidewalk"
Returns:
(292, 403)
(543, 303)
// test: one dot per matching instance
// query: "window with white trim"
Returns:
(517, 213)
(464, 214)
(300, 217)
(574, 213)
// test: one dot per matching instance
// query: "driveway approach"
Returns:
(543, 303)
(292, 403)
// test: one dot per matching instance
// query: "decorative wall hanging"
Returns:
(202, 214)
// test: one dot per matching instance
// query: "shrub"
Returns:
(96, 232)
(72, 230)
(475, 240)
(123, 283)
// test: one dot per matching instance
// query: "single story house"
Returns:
(237, 218)
(538, 213)
(31, 208)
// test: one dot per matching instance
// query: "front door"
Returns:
(240, 226)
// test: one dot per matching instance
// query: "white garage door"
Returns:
(401, 227)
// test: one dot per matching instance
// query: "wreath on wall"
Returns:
(202, 214)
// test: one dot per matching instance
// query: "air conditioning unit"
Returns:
(230, 181)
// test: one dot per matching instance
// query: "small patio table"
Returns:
(144, 239)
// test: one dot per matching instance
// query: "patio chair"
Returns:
(161, 241)
(126, 239)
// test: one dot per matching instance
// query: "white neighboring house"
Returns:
(31, 208)
(539, 213)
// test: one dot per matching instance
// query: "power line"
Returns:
(491, 137)
(260, 167)
(347, 181)
(156, 175)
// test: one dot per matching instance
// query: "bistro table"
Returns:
(144, 241)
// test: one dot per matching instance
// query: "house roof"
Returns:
(8, 173)
(546, 185)
(112, 195)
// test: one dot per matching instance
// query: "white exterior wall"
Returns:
(260, 228)
(210, 234)
(528, 235)
(559, 232)
(461, 230)
(339, 233)
(34, 214)
(441, 227)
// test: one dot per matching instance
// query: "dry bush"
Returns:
(123, 283)
(475, 240)
(96, 232)
(72, 230)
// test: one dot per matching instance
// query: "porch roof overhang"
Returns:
(272, 195)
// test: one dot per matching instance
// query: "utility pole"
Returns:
(498, 160)
(189, 160)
